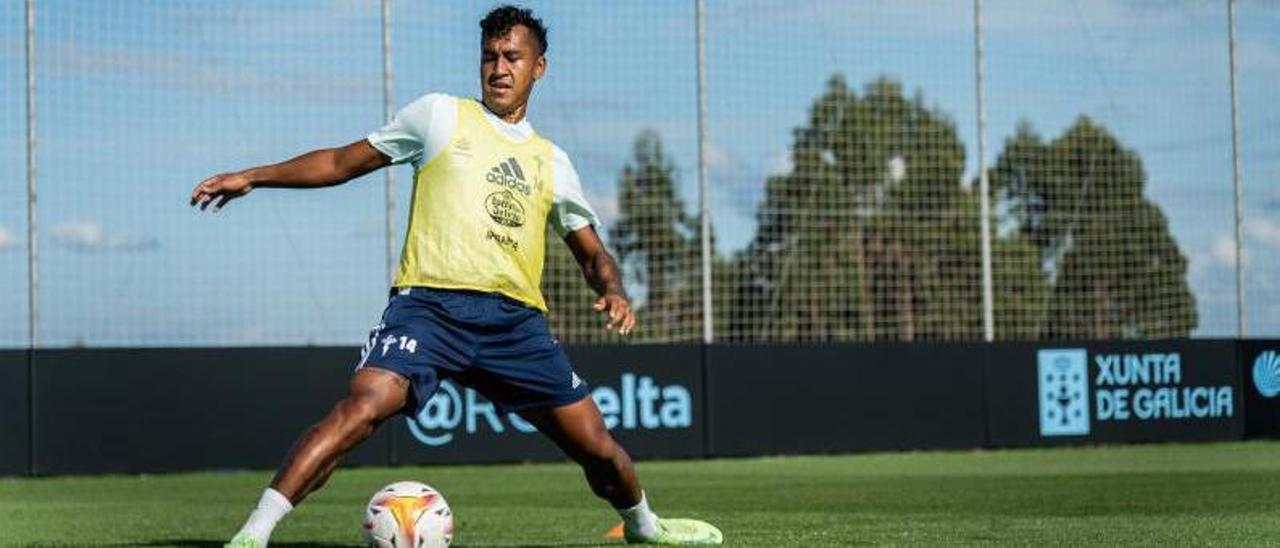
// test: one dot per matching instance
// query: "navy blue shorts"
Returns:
(496, 345)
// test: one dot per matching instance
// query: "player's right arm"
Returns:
(315, 169)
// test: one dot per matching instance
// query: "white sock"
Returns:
(639, 519)
(270, 510)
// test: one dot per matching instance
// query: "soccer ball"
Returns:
(408, 514)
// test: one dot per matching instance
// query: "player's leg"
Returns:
(522, 368)
(374, 395)
(579, 430)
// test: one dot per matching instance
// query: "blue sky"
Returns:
(140, 100)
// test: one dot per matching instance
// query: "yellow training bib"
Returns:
(479, 213)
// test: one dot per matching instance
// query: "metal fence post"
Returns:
(33, 310)
(704, 207)
(1235, 170)
(984, 185)
(388, 111)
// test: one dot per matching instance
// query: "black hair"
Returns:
(500, 21)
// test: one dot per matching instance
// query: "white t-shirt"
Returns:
(424, 127)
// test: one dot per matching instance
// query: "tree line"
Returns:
(873, 235)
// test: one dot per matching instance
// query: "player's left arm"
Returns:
(602, 273)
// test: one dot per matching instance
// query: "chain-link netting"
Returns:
(1111, 168)
(13, 178)
(1258, 61)
(840, 195)
(841, 153)
(138, 103)
(619, 98)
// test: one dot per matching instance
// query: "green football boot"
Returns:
(244, 540)
(680, 532)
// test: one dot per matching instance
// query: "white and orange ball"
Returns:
(408, 514)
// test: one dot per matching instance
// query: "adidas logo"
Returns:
(508, 174)
(462, 147)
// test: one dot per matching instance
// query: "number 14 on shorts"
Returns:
(407, 344)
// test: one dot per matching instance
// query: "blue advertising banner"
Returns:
(1122, 391)
(156, 410)
(1260, 374)
(650, 397)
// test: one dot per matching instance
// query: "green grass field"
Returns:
(1219, 494)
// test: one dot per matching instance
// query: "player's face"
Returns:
(509, 65)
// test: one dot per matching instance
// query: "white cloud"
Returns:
(210, 74)
(915, 16)
(1223, 252)
(605, 206)
(718, 157)
(1263, 231)
(8, 240)
(80, 234)
(198, 56)
(779, 163)
(85, 235)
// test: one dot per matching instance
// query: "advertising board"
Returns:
(1260, 380)
(650, 397)
(767, 399)
(15, 432)
(1121, 391)
(155, 410)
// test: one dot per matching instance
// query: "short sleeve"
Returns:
(415, 130)
(569, 208)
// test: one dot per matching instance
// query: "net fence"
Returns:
(13, 182)
(839, 169)
(140, 101)
(841, 152)
(1258, 59)
(1101, 142)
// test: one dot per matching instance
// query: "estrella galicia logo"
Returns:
(1266, 373)
(1064, 392)
(504, 209)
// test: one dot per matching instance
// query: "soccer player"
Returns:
(465, 302)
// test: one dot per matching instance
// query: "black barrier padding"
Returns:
(15, 432)
(1259, 372)
(1015, 395)
(650, 420)
(1013, 412)
(795, 399)
(155, 410)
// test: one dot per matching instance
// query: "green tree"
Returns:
(658, 245)
(865, 238)
(872, 235)
(1105, 250)
(569, 298)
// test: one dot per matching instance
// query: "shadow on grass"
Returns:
(206, 543)
(524, 545)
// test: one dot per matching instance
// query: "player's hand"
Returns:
(220, 189)
(618, 310)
